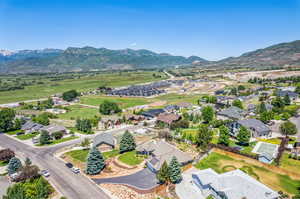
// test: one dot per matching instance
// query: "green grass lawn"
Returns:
(131, 158)
(223, 163)
(81, 132)
(81, 155)
(2, 164)
(78, 111)
(289, 163)
(123, 102)
(53, 142)
(83, 83)
(27, 136)
(14, 132)
(173, 98)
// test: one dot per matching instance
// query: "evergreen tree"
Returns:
(95, 162)
(287, 100)
(14, 165)
(224, 135)
(44, 137)
(207, 114)
(127, 142)
(163, 173)
(262, 108)
(174, 171)
(243, 136)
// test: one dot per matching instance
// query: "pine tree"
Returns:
(127, 142)
(163, 173)
(262, 108)
(174, 171)
(243, 136)
(224, 135)
(14, 165)
(95, 162)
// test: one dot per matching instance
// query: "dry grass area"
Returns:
(123, 192)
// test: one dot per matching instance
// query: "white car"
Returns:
(75, 170)
(45, 173)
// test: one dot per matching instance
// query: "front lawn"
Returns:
(81, 155)
(27, 136)
(53, 142)
(81, 132)
(131, 158)
(2, 163)
(14, 132)
(77, 111)
(270, 177)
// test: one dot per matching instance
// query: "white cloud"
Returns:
(133, 44)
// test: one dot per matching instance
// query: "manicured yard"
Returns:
(123, 102)
(27, 136)
(81, 155)
(81, 132)
(65, 139)
(77, 111)
(275, 180)
(131, 158)
(14, 132)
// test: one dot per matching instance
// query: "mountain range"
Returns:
(90, 59)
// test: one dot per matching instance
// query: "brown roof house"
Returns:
(160, 151)
(109, 122)
(168, 118)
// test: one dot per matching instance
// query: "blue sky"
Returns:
(212, 29)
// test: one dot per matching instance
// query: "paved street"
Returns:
(143, 180)
(69, 184)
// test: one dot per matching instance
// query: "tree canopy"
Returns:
(237, 103)
(127, 142)
(244, 135)
(174, 171)
(207, 114)
(70, 95)
(108, 108)
(95, 162)
(224, 135)
(204, 137)
(288, 128)
(7, 116)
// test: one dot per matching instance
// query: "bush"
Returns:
(6, 155)
(57, 135)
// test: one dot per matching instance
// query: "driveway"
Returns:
(186, 189)
(4, 184)
(142, 180)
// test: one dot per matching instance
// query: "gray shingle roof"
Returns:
(255, 124)
(235, 184)
(104, 138)
(233, 112)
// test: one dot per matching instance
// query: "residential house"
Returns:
(152, 113)
(168, 118)
(54, 128)
(231, 185)
(105, 142)
(134, 118)
(171, 108)
(292, 95)
(160, 151)
(184, 105)
(232, 112)
(30, 127)
(256, 127)
(109, 122)
(296, 149)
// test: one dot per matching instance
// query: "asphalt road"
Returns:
(69, 184)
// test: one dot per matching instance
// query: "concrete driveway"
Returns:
(142, 180)
(186, 189)
(4, 184)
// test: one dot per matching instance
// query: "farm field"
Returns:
(84, 83)
(274, 178)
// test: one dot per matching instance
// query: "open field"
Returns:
(84, 83)
(78, 111)
(173, 98)
(123, 102)
(275, 178)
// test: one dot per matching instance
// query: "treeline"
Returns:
(293, 79)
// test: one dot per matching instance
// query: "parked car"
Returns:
(69, 165)
(75, 170)
(45, 173)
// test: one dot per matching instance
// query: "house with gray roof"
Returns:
(105, 142)
(232, 112)
(160, 151)
(30, 127)
(256, 127)
(292, 95)
(54, 128)
(231, 185)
